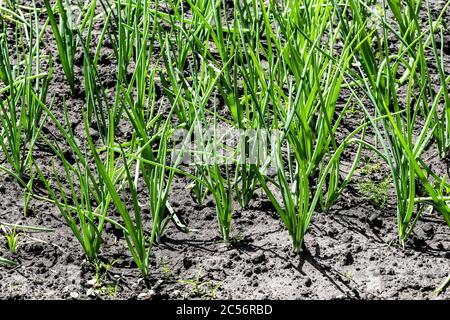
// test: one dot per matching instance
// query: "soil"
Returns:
(350, 252)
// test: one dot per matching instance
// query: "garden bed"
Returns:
(350, 252)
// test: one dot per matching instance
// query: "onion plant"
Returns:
(21, 114)
(222, 193)
(248, 105)
(410, 30)
(149, 127)
(401, 148)
(12, 238)
(268, 71)
(65, 37)
(158, 177)
(215, 46)
(95, 93)
(7, 261)
(98, 188)
(24, 86)
(443, 286)
(442, 132)
(139, 244)
(304, 107)
(82, 199)
(188, 38)
(217, 178)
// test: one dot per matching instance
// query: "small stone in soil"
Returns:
(175, 204)
(375, 221)
(90, 292)
(347, 238)
(428, 230)
(68, 155)
(146, 295)
(332, 232)
(326, 266)
(228, 264)
(208, 216)
(308, 282)
(94, 135)
(92, 282)
(187, 262)
(419, 242)
(348, 259)
(258, 257)
(74, 295)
